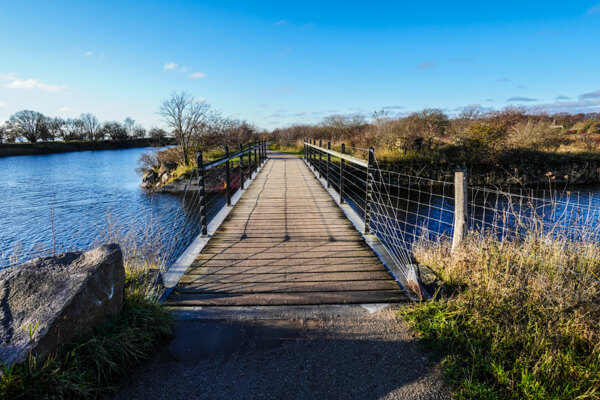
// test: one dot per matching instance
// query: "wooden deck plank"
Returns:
(286, 242)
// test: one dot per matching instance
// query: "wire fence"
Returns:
(405, 210)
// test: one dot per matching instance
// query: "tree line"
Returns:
(474, 129)
(34, 126)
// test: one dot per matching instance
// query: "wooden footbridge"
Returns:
(285, 242)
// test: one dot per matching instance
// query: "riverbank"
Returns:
(23, 149)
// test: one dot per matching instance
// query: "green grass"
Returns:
(92, 366)
(296, 150)
(507, 325)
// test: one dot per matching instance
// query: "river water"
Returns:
(81, 197)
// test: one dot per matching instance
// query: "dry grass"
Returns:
(515, 319)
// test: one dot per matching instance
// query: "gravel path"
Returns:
(371, 356)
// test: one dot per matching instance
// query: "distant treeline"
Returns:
(21, 149)
(483, 133)
(33, 126)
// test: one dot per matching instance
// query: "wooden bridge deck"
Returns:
(286, 242)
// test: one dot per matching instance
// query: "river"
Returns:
(81, 197)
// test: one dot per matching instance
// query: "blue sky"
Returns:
(274, 64)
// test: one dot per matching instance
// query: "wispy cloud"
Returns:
(2, 104)
(169, 66)
(393, 107)
(65, 109)
(502, 80)
(594, 10)
(281, 22)
(521, 99)
(561, 97)
(283, 89)
(201, 100)
(591, 95)
(97, 57)
(13, 82)
(521, 87)
(425, 65)
(574, 106)
(197, 75)
(183, 70)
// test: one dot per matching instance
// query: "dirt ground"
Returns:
(361, 355)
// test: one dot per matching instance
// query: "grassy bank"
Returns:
(515, 320)
(20, 149)
(295, 149)
(93, 365)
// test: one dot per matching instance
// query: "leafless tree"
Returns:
(186, 118)
(129, 125)
(29, 124)
(91, 126)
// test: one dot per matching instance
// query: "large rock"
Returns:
(58, 298)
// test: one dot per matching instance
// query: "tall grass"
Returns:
(515, 319)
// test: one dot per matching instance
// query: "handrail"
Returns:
(223, 160)
(355, 160)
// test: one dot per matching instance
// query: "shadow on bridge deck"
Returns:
(286, 243)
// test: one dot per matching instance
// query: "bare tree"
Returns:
(91, 126)
(157, 133)
(114, 130)
(138, 132)
(4, 131)
(186, 118)
(29, 124)
(129, 125)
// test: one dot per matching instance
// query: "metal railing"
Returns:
(232, 181)
(404, 210)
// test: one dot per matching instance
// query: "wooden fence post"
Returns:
(202, 194)
(460, 209)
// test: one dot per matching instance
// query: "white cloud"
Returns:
(89, 53)
(183, 70)
(197, 75)
(169, 66)
(594, 9)
(281, 22)
(2, 104)
(65, 109)
(13, 82)
(201, 100)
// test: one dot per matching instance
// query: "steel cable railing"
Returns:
(404, 210)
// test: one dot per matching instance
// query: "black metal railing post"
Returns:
(250, 166)
(320, 159)
(369, 190)
(202, 194)
(328, 163)
(241, 168)
(256, 155)
(227, 177)
(305, 150)
(342, 162)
